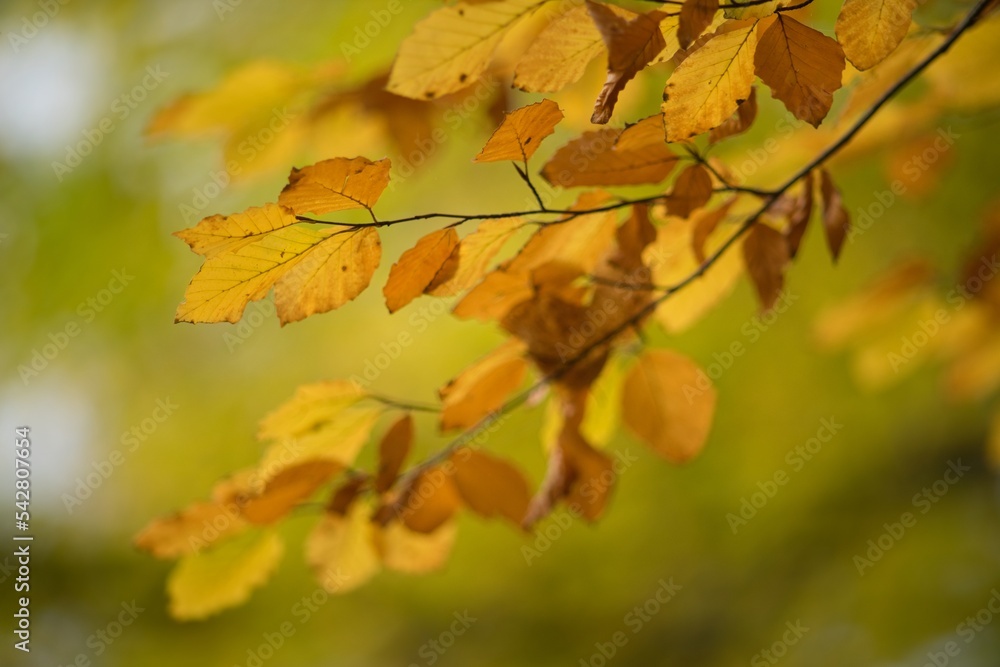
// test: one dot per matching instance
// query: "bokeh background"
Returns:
(64, 235)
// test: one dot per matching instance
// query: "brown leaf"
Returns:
(337, 184)
(765, 253)
(869, 30)
(704, 224)
(287, 489)
(416, 268)
(799, 216)
(632, 44)
(493, 298)
(712, 81)
(696, 15)
(739, 122)
(633, 156)
(491, 486)
(836, 221)
(469, 260)
(482, 388)
(691, 191)
(392, 451)
(669, 402)
(521, 132)
(802, 66)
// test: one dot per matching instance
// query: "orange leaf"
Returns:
(337, 184)
(482, 387)
(798, 217)
(669, 402)
(521, 132)
(802, 66)
(491, 486)
(494, 296)
(632, 44)
(191, 529)
(392, 451)
(765, 252)
(691, 191)
(429, 501)
(287, 489)
(836, 221)
(470, 259)
(416, 268)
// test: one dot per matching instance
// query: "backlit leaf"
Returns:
(408, 551)
(312, 405)
(188, 531)
(869, 30)
(338, 184)
(691, 191)
(338, 440)
(521, 132)
(470, 260)
(287, 489)
(392, 451)
(739, 122)
(669, 402)
(416, 268)
(206, 583)
(429, 501)
(482, 388)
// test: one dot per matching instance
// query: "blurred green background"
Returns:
(63, 237)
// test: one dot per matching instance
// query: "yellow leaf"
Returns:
(482, 387)
(312, 270)
(416, 268)
(338, 439)
(711, 83)
(802, 66)
(206, 583)
(493, 298)
(521, 132)
(603, 407)
(634, 156)
(392, 451)
(289, 487)
(452, 47)
(836, 221)
(669, 402)
(672, 259)
(869, 30)
(469, 260)
(491, 486)
(408, 551)
(765, 252)
(696, 15)
(632, 44)
(190, 530)
(561, 52)
(338, 184)
(341, 549)
(312, 405)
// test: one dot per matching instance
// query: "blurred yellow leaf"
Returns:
(341, 549)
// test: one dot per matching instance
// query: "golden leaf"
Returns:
(341, 549)
(337, 184)
(869, 30)
(491, 486)
(482, 387)
(392, 451)
(521, 132)
(288, 488)
(416, 268)
(469, 260)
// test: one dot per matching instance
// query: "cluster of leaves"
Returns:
(572, 299)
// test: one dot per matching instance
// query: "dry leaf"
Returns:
(739, 122)
(691, 191)
(765, 253)
(469, 260)
(836, 221)
(392, 451)
(287, 489)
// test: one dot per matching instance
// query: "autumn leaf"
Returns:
(704, 225)
(691, 191)
(312, 406)
(289, 487)
(493, 298)
(739, 122)
(696, 15)
(410, 552)
(802, 66)
(428, 501)
(799, 215)
(341, 549)
(190, 530)
(561, 52)
(491, 486)
(633, 156)
(206, 583)
(669, 402)
(632, 44)
(521, 132)
(482, 388)
(836, 221)
(451, 48)
(338, 184)
(416, 268)
(392, 451)
(869, 30)
(312, 270)
(765, 253)
(711, 83)
(470, 259)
